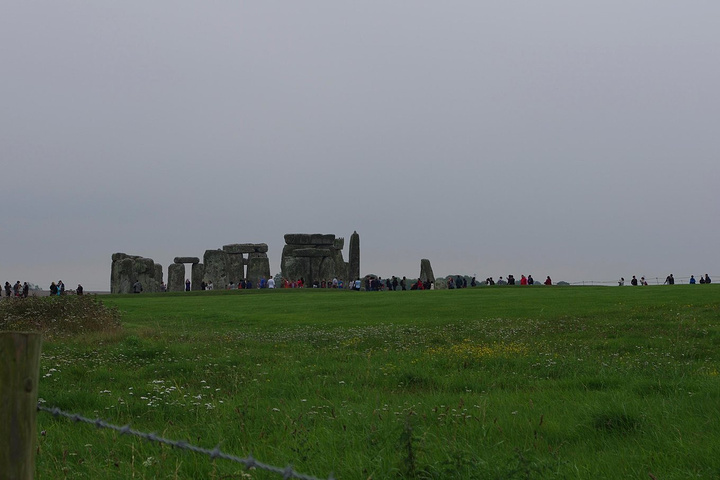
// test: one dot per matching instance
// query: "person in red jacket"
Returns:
(548, 281)
(523, 280)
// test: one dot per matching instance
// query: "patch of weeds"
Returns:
(615, 422)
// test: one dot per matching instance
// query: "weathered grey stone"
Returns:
(258, 267)
(295, 268)
(216, 267)
(186, 260)
(235, 248)
(236, 268)
(354, 257)
(176, 277)
(322, 239)
(426, 273)
(297, 239)
(312, 252)
(257, 255)
(128, 269)
(196, 276)
(158, 273)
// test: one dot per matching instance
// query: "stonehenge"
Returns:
(310, 256)
(426, 272)
(128, 269)
(314, 257)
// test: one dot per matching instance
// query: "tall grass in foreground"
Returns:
(579, 382)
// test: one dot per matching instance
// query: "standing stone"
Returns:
(128, 269)
(426, 273)
(258, 267)
(176, 277)
(354, 260)
(236, 268)
(216, 268)
(158, 273)
(196, 276)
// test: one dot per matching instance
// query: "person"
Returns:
(403, 283)
(210, 285)
(450, 283)
(263, 282)
(25, 290)
(187, 284)
(669, 280)
(530, 280)
(702, 280)
(707, 279)
(692, 279)
(61, 287)
(473, 282)
(271, 282)
(137, 287)
(634, 281)
(394, 283)
(621, 282)
(510, 280)
(548, 281)
(79, 290)
(16, 288)
(643, 281)
(53, 289)
(8, 289)
(203, 285)
(523, 280)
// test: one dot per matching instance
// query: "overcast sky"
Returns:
(573, 139)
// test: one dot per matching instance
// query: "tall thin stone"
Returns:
(176, 277)
(354, 257)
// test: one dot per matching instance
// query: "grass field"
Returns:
(491, 382)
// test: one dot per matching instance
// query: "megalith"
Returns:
(354, 257)
(216, 268)
(313, 257)
(128, 269)
(258, 266)
(176, 277)
(426, 273)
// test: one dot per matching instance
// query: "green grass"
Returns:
(504, 382)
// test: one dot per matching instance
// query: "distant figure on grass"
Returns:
(25, 290)
(61, 287)
(621, 282)
(16, 288)
(548, 281)
(530, 280)
(707, 279)
(643, 281)
(692, 279)
(53, 289)
(403, 284)
(271, 282)
(8, 289)
(187, 284)
(634, 281)
(137, 287)
(79, 290)
(523, 280)
(669, 280)
(210, 285)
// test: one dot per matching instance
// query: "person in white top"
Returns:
(271, 283)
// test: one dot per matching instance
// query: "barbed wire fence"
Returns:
(249, 462)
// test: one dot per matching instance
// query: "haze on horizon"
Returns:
(546, 138)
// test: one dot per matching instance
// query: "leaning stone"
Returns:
(186, 260)
(426, 273)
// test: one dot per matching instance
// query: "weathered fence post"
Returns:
(19, 374)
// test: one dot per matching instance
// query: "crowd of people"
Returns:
(22, 290)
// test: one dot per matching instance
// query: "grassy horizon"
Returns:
(491, 382)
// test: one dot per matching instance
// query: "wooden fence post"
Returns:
(19, 375)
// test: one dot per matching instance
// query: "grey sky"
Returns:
(557, 138)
